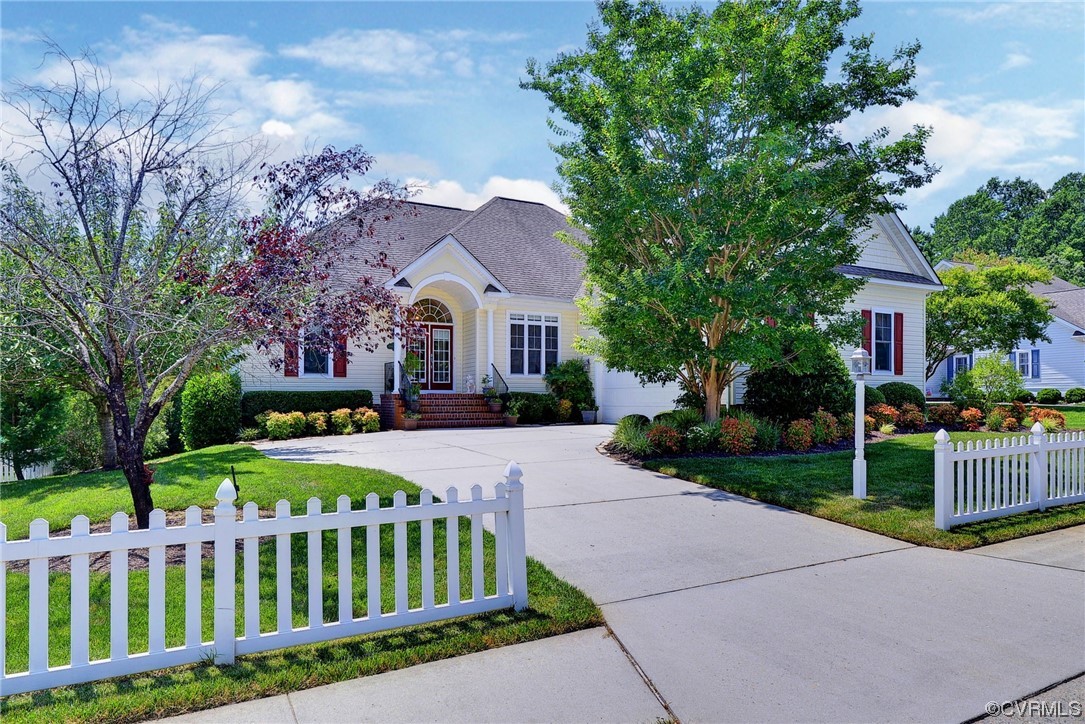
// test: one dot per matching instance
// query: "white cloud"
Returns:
(1049, 15)
(446, 192)
(1016, 60)
(276, 128)
(381, 52)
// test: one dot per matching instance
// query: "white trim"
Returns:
(508, 342)
(489, 341)
(1028, 352)
(912, 247)
(443, 277)
(453, 245)
(301, 360)
(874, 312)
(929, 288)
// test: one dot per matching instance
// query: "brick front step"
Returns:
(494, 418)
(425, 424)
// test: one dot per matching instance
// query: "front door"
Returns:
(434, 351)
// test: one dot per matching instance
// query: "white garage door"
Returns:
(620, 393)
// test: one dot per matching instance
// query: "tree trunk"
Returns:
(105, 427)
(139, 483)
(18, 470)
(711, 398)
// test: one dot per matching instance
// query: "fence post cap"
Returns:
(1037, 429)
(513, 471)
(941, 437)
(226, 492)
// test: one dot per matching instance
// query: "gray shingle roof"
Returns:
(514, 240)
(871, 272)
(1069, 306)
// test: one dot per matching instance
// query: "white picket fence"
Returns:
(977, 480)
(509, 570)
(32, 472)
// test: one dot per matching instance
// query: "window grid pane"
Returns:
(883, 342)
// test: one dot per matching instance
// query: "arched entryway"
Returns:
(431, 357)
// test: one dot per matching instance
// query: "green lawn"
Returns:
(900, 488)
(191, 478)
(1075, 416)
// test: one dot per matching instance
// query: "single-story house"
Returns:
(1059, 363)
(495, 290)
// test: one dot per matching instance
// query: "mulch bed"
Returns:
(137, 557)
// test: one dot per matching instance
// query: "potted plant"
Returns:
(512, 412)
(490, 393)
(416, 397)
(410, 420)
(587, 413)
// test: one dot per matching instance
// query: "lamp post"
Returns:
(860, 366)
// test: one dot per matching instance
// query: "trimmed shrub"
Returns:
(1011, 424)
(869, 424)
(943, 414)
(306, 401)
(884, 414)
(888, 429)
(365, 420)
(703, 437)
(635, 420)
(799, 435)
(665, 439)
(631, 436)
(1039, 414)
(971, 418)
(569, 380)
(826, 428)
(1024, 396)
(780, 394)
(285, 425)
(1050, 424)
(536, 408)
(995, 420)
(873, 396)
(566, 410)
(737, 436)
(342, 424)
(846, 424)
(911, 417)
(1049, 396)
(898, 394)
(318, 423)
(1075, 394)
(210, 410)
(681, 420)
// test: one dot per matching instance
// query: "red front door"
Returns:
(434, 351)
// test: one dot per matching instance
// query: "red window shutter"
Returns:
(339, 358)
(290, 359)
(898, 343)
(867, 332)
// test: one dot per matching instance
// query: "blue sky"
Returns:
(431, 89)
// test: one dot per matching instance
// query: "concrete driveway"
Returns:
(732, 610)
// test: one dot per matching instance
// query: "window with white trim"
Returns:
(883, 341)
(960, 364)
(315, 362)
(1027, 362)
(533, 343)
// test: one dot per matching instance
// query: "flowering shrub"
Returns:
(1011, 424)
(799, 435)
(943, 414)
(318, 422)
(826, 428)
(911, 417)
(341, 422)
(665, 439)
(1039, 414)
(281, 426)
(869, 424)
(565, 410)
(846, 424)
(971, 418)
(995, 420)
(700, 438)
(737, 436)
(366, 420)
(883, 414)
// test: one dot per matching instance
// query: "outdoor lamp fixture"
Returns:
(860, 366)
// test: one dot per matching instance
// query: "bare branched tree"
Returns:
(142, 261)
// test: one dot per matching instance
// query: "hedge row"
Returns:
(304, 401)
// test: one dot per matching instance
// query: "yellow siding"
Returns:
(568, 328)
(446, 262)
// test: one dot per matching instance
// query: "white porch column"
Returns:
(489, 339)
(397, 354)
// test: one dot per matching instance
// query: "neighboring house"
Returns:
(1059, 363)
(495, 290)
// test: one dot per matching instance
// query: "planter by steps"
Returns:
(495, 404)
(511, 420)
(588, 416)
(410, 423)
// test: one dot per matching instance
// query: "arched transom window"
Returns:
(430, 310)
